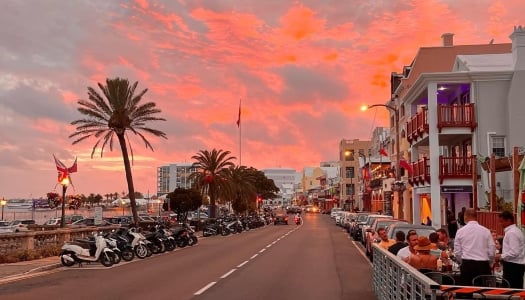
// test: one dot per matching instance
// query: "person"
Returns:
(474, 247)
(452, 224)
(434, 240)
(496, 267)
(513, 251)
(399, 244)
(429, 221)
(499, 244)
(461, 216)
(385, 242)
(404, 253)
(444, 243)
(423, 260)
(297, 218)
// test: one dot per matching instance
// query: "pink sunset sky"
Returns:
(301, 68)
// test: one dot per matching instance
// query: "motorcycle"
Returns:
(192, 238)
(138, 242)
(91, 250)
(298, 220)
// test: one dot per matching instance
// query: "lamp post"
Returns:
(398, 182)
(3, 203)
(64, 182)
(122, 202)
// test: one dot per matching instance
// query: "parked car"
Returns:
(421, 230)
(369, 220)
(280, 219)
(371, 232)
(334, 211)
(53, 222)
(4, 227)
(20, 225)
(360, 218)
(69, 219)
(88, 222)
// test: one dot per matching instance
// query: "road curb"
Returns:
(43, 268)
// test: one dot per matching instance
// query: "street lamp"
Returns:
(3, 203)
(395, 110)
(64, 182)
(122, 202)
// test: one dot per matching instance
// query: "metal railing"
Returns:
(394, 279)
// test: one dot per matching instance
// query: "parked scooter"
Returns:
(192, 238)
(92, 250)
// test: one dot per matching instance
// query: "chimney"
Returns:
(447, 39)
(518, 47)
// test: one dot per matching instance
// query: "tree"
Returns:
(241, 188)
(182, 201)
(112, 115)
(211, 173)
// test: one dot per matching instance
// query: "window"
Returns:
(498, 145)
(350, 189)
(349, 155)
(349, 172)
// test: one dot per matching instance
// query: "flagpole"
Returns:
(240, 133)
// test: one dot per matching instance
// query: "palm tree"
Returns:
(241, 187)
(211, 174)
(119, 110)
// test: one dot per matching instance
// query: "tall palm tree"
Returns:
(241, 186)
(119, 110)
(211, 174)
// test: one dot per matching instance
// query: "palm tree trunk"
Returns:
(129, 178)
(213, 196)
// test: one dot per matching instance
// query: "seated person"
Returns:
(423, 259)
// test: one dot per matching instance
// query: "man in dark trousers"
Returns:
(474, 247)
(461, 216)
(513, 251)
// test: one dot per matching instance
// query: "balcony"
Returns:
(421, 172)
(457, 116)
(449, 116)
(417, 126)
(456, 167)
(449, 168)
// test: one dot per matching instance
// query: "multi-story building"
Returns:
(457, 103)
(284, 179)
(349, 153)
(172, 176)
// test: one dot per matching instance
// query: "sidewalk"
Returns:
(28, 267)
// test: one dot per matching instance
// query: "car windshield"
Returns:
(361, 218)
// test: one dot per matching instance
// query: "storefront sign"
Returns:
(456, 189)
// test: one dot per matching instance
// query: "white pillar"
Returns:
(433, 146)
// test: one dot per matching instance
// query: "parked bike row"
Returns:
(126, 244)
(232, 225)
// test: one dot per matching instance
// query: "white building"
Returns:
(284, 179)
(172, 176)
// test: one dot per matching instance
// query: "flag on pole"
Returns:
(405, 165)
(383, 152)
(239, 117)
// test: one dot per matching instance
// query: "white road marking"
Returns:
(245, 262)
(205, 288)
(254, 256)
(228, 274)
(269, 245)
(361, 252)
(262, 250)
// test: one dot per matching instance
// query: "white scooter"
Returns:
(80, 251)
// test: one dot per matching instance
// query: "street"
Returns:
(313, 261)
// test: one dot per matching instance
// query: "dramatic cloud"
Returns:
(301, 68)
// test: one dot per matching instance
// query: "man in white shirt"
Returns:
(474, 247)
(513, 251)
(404, 253)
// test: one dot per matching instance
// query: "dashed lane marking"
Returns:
(228, 274)
(242, 264)
(205, 288)
(254, 256)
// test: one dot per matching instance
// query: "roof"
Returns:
(484, 62)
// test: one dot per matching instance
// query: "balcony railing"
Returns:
(421, 172)
(457, 116)
(417, 125)
(456, 167)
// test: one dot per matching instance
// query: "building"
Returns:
(349, 153)
(284, 179)
(457, 104)
(172, 176)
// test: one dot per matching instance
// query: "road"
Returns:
(313, 261)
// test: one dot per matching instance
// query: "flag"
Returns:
(73, 168)
(63, 171)
(60, 166)
(405, 165)
(383, 152)
(239, 117)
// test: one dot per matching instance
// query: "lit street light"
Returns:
(398, 182)
(3, 203)
(122, 202)
(64, 183)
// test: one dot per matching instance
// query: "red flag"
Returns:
(73, 168)
(60, 166)
(405, 165)
(239, 117)
(383, 152)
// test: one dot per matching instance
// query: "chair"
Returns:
(441, 278)
(490, 281)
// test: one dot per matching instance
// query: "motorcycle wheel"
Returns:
(169, 246)
(141, 251)
(128, 255)
(225, 232)
(116, 258)
(154, 249)
(205, 234)
(149, 253)
(162, 247)
(106, 260)
(182, 243)
(194, 239)
(65, 262)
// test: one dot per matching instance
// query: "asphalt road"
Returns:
(313, 261)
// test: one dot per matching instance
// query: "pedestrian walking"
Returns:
(474, 247)
(512, 252)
